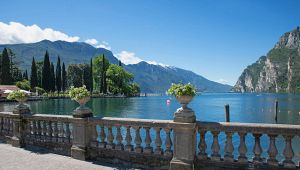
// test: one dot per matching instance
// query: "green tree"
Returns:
(5, 69)
(25, 75)
(24, 84)
(39, 68)
(52, 77)
(33, 76)
(100, 66)
(75, 75)
(91, 76)
(120, 63)
(87, 76)
(46, 73)
(58, 75)
(64, 78)
(116, 74)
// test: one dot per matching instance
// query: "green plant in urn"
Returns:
(82, 96)
(21, 97)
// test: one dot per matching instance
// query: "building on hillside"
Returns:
(7, 87)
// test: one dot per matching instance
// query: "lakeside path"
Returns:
(12, 158)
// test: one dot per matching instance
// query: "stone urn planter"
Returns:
(184, 94)
(184, 114)
(82, 111)
(21, 108)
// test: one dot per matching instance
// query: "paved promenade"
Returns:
(12, 158)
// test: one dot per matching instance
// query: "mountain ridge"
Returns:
(152, 78)
(278, 71)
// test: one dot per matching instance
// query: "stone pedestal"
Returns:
(17, 140)
(185, 115)
(82, 112)
(184, 146)
(21, 109)
(81, 130)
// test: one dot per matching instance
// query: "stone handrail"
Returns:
(6, 123)
(242, 129)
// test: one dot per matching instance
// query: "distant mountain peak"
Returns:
(290, 39)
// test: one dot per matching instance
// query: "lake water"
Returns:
(254, 108)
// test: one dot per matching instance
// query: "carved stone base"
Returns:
(82, 112)
(181, 165)
(21, 109)
(78, 153)
(15, 142)
(186, 115)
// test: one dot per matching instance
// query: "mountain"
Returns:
(152, 78)
(157, 79)
(278, 71)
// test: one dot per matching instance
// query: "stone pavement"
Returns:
(12, 158)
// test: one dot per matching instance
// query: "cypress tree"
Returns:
(25, 75)
(58, 75)
(5, 69)
(91, 76)
(46, 73)
(120, 63)
(64, 76)
(52, 77)
(86, 76)
(33, 76)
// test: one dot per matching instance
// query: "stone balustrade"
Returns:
(273, 131)
(163, 144)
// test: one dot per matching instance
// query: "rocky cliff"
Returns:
(279, 71)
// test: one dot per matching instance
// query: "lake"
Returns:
(253, 108)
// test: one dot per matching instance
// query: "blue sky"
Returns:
(213, 38)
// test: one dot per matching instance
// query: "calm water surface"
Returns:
(254, 108)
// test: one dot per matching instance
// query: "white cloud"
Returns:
(15, 32)
(103, 44)
(91, 41)
(223, 81)
(127, 57)
(130, 58)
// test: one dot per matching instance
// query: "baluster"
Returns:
(34, 129)
(110, 138)
(158, 141)
(242, 148)
(55, 133)
(94, 142)
(215, 147)
(61, 132)
(138, 140)
(1, 125)
(202, 145)
(8, 126)
(39, 130)
(119, 145)
(50, 131)
(272, 151)
(28, 129)
(257, 149)
(128, 146)
(11, 126)
(228, 147)
(288, 153)
(68, 133)
(148, 148)
(168, 151)
(102, 143)
(44, 130)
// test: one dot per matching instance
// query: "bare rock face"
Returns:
(276, 72)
